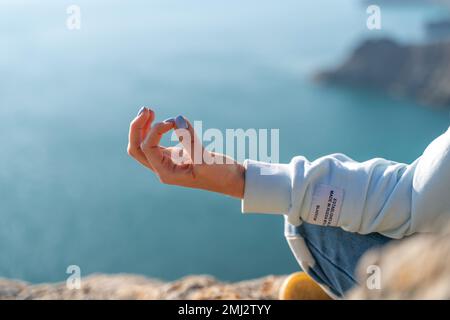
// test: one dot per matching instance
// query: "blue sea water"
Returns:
(69, 194)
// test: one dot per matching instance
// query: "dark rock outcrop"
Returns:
(438, 29)
(421, 72)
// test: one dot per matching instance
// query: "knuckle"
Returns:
(162, 178)
(131, 152)
(165, 179)
(158, 126)
(132, 124)
(144, 146)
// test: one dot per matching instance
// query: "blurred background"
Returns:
(69, 194)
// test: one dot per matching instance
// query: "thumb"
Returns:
(189, 139)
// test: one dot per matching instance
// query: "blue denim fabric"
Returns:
(336, 253)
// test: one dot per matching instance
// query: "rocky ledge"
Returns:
(421, 72)
(126, 286)
(417, 267)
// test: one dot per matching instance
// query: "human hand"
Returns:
(190, 166)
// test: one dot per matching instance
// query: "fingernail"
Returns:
(141, 110)
(170, 120)
(181, 122)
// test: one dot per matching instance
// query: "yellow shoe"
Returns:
(300, 286)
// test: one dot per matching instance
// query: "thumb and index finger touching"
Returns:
(185, 133)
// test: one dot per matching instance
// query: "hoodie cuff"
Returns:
(267, 188)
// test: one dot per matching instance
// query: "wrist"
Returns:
(236, 183)
(225, 177)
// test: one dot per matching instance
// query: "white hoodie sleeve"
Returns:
(394, 199)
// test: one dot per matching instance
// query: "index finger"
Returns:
(150, 145)
(138, 128)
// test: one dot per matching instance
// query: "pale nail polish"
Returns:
(181, 122)
(172, 120)
(141, 110)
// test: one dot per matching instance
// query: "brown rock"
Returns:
(417, 268)
(134, 287)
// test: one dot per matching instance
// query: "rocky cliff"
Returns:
(416, 268)
(125, 286)
(421, 72)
